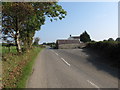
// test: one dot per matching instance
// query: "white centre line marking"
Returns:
(65, 62)
(93, 84)
(56, 54)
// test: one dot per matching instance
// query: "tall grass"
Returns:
(28, 69)
(17, 68)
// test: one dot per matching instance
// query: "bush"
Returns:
(110, 49)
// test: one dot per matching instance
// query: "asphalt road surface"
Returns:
(71, 68)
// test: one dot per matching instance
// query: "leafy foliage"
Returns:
(36, 41)
(22, 19)
(110, 39)
(84, 37)
(118, 39)
(109, 49)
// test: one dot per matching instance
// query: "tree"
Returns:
(118, 39)
(104, 40)
(14, 15)
(44, 43)
(36, 41)
(110, 39)
(84, 37)
(22, 19)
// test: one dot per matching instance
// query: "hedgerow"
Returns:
(110, 49)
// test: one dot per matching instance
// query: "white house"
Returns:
(74, 38)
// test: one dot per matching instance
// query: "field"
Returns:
(12, 49)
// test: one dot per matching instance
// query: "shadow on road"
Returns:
(101, 63)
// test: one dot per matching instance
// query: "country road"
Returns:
(71, 68)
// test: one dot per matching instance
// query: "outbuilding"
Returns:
(67, 44)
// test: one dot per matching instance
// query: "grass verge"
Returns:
(28, 69)
(17, 68)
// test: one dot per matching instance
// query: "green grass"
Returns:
(6, 49)
(28, 69)
(0, 48)
(17, 68)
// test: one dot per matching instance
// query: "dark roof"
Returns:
(76, 37)
(68, 42)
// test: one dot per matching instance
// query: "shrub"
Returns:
(110, 49)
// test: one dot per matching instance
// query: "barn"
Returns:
(67, 44)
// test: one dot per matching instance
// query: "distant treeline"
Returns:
(8, 44)
(52, 44)
(109, 49)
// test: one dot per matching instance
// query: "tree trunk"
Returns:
(17, 41)
(29, 39)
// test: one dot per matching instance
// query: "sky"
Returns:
(99, 19)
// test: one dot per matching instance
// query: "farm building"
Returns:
(66, 44)
(72, 42)
(74, 38)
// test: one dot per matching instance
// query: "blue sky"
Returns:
(99, 19)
